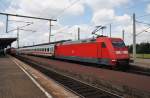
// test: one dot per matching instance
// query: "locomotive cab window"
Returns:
(118, 44)
(103, 45)
(51, 49)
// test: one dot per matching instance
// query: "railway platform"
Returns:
(15, 83)
(144, 63)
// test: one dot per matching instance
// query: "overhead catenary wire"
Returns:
(66, 8)
(63, 11)
(143, 22)
(60, 14)
(142, 31)
(142, 16)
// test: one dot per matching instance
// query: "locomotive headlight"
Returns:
(118, 52)
(125, 52)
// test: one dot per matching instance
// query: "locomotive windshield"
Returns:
(118, 44)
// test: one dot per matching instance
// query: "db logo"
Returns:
(72, 51)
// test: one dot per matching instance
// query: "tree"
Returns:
(141, 48)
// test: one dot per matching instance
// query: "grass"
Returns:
(144, 56)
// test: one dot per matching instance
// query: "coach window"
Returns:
(103, 45)
(47, 49)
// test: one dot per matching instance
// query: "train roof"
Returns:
(46, 43)
(65, 42)
(80, 41)
(84, 40)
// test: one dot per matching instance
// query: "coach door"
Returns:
(99, 50)
(103, 50)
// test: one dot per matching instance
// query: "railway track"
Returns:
(139, 70)
(78, 87)
(132, 69)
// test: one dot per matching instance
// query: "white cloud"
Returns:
(108, 16)
(148, 8)
(48, 8)
(1, 24)
(67, 32)
(107, 4)
(102, 16)
(103, 12)
(124, 19)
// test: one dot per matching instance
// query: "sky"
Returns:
(74, 14)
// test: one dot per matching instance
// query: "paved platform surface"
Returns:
(142, 63)
(14, 83)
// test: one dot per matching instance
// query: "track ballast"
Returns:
(81, 89)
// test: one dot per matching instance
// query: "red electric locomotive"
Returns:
(102, 50)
